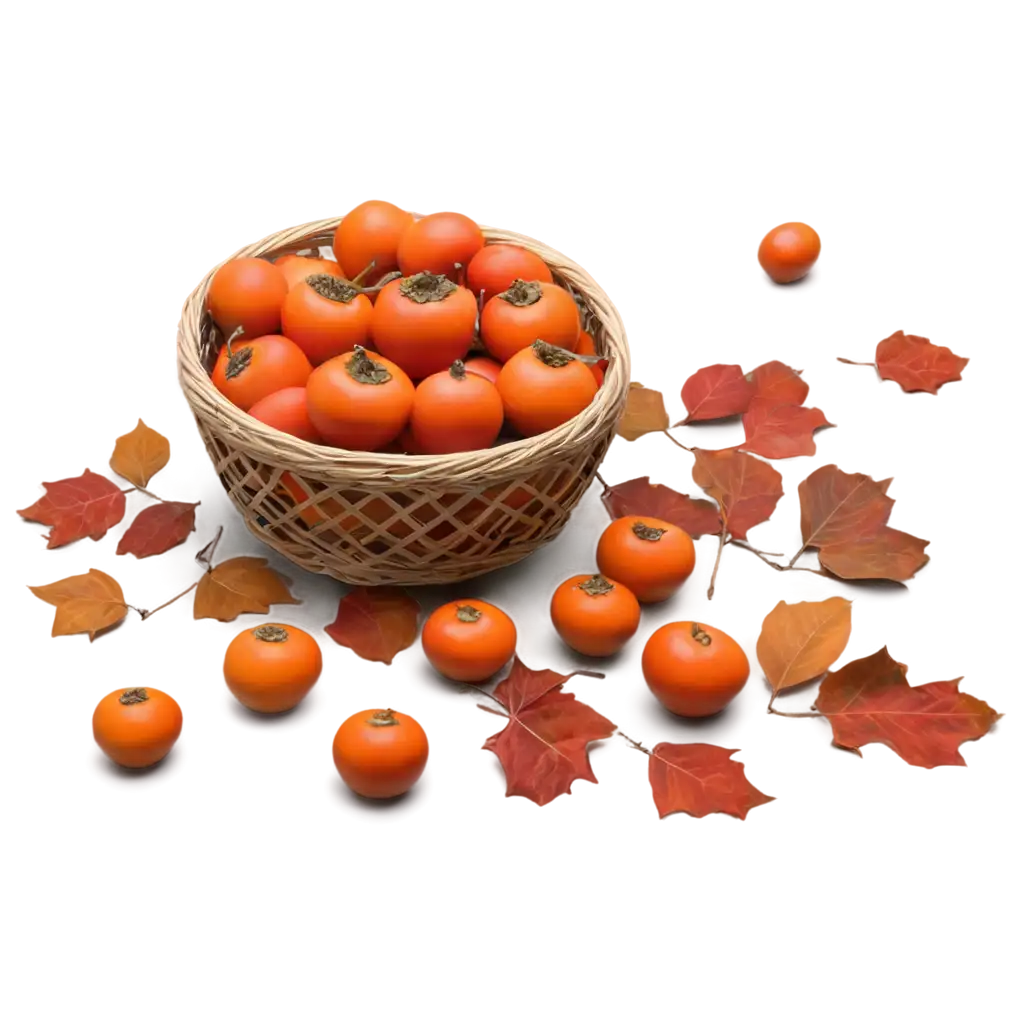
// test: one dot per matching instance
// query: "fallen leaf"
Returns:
(838, 507)
(700, 779)
(870, 701)
(889, 555)
(376, 622)
(639, 497)
(778, 383)
(746, 489)
(239, 585)
(85, 604)
(644, 413)
(715, 392)
(781, 431)
(158, 528)
(140, 455)
(916, 364)
(799, 642)
(80, 506)
(543, 748)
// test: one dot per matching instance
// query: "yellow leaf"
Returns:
(799, 642)
(239, 585)
(140, 455)
(85, 604)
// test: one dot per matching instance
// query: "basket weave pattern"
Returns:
(374, 518)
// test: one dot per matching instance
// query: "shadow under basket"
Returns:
(374, 518)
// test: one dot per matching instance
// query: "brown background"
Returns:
(135, 144)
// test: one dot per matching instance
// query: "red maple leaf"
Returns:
(80, 506)
(158, 528)
(778, 383)
(916, 364)
(746, 489)
(870, 701)
(889, 555)
(716, 391)
(639, 497)
(699, 779)
(543, 748)
(781, 431)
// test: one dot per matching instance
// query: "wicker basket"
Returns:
(373, 518)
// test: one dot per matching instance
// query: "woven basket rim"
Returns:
(343, 465)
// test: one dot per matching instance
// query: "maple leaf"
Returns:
(700, 779)
(140, 455)
(778, 383)
(88, 603)
(714, 392)
(890, 554)
(644, 413)
(799, 642)
(80, 506)
(870, 701)
(543, 748)
(239, 585)
(640, 497)
(914, 363)
(376, 622)
(838, 507)
(781, 431)
(158, 528)
(746, 489)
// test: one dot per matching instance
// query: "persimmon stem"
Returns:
(633, 743)
(678, 444)
(718, 559)
(187, 590)
(236, 333)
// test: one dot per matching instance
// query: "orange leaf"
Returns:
(781, 431)
(714, 392)
(889, 555)
(778, 383)
(644, 413)
(140, 455)
(916, 364)
(158, 528)
(838, 507)
(239, 585)
(85, 604)
(80, 506)
(376, 622)
(746, 489)
(799, 642)
(640, 497)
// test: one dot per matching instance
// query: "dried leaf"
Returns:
(85, 604)
(889, 555)
(639, 497)
(716, 391)
(781, 431)
(158, 528)
(376, 622)
(644, 413)
(838, 507)
(746, 489)
(916, 364)
(140, 455)
(778, 383)
(870, 701)
(543, 748)
(80, 506)
(699, 779)
(799, 642)
(239, 585)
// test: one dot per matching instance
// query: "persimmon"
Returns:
(595, 615)
(586, 347)
(436, 243)
(297, 268)
(354, 525)
(789, 251)
(272, 667)
(468, 641)
(325, 317)
(484, 367)
(455, 411)
(650, 556)
(693, 669)
(286, 410)
(542, 387)
(495, 267)
(370, 234)
(137, 727)
(380, 753)
(525, 312)
(247, 294)
(247, 371)
(423, 323)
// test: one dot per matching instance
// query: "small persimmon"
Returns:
(297, 268)
(595, 615)
(370, 234)
(693, 669)
(247, 294)
(788, 252)
(325, 317)
(468, 641)
(286, 410)
(423, 323)
(137, 727)
(484, 367)
(439, 243)
(272, 667)
(247, 371)
(650, 556)
(586, 347)
(380, 753)
(525, 312)
(455, 411)
(359, 400)
(495, 267)
(543, 387)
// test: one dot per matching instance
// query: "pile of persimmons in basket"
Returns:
(417, 338)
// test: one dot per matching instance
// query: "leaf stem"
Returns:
(795, 714)
(188, 590)
(633, 743)
(601, 480)
(678, 444)
(852, 362)
(718, 559)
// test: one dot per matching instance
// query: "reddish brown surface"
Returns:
(275, 911)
